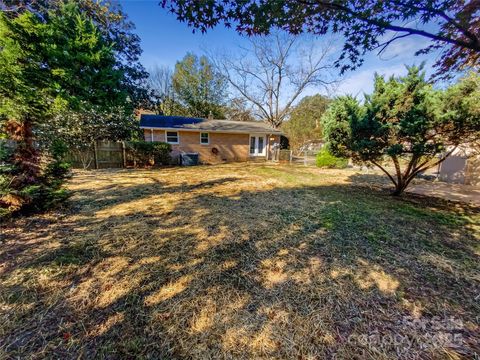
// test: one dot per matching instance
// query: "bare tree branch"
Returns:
(273, 72)
(160, 82)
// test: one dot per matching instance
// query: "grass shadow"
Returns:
(237, 266)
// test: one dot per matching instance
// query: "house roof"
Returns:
(198, 124)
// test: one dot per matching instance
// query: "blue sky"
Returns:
(165, 40)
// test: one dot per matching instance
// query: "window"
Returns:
(204, 139)
(252, 145)
(172, 137)
(260, 144)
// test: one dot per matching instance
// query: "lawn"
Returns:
(240, 261)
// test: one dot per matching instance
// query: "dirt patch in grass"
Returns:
(240, 261)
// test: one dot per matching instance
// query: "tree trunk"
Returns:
(399, 179)
(414, 168)
(26, 157)
(400, 186)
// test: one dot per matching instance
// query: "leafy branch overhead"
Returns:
(451, 26)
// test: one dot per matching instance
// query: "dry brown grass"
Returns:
(240, 261)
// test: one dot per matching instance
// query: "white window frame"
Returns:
(171, 142)
(208, 138)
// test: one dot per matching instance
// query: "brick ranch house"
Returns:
(215, 141)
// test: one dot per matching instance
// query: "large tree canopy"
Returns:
(51, 64)
(114, 28)
(407, 121)
(63, 62)
(451, 25)
(69, 71)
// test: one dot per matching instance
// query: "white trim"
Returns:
(211, 131)
(208, 137)
(171, 142)
(151, 135)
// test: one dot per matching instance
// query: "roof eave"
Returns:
(253, 131)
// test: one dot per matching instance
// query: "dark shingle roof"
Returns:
(188, 123)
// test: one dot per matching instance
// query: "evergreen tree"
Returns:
(50, 65)
(406, 121)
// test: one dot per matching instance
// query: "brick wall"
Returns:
(231, 147)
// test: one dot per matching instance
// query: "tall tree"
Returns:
(407, 121)
(49, 66)
(115, 29)
(365, 24)
(274, 71)
(304, 123)
(199, 87)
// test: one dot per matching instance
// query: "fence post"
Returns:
(124, 155)
(467, 172)
(95, 155)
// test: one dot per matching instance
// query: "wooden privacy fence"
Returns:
(102, 155)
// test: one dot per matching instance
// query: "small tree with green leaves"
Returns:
(407, 121)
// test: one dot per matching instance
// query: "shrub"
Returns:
(42, 197)
(57, 169)
(147, 153)
(327, 160)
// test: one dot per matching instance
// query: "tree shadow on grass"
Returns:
(109, 195)
(227, 271)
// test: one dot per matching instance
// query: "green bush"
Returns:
(42, 197)
(327, 160)
(57, 168)
(147, 153)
